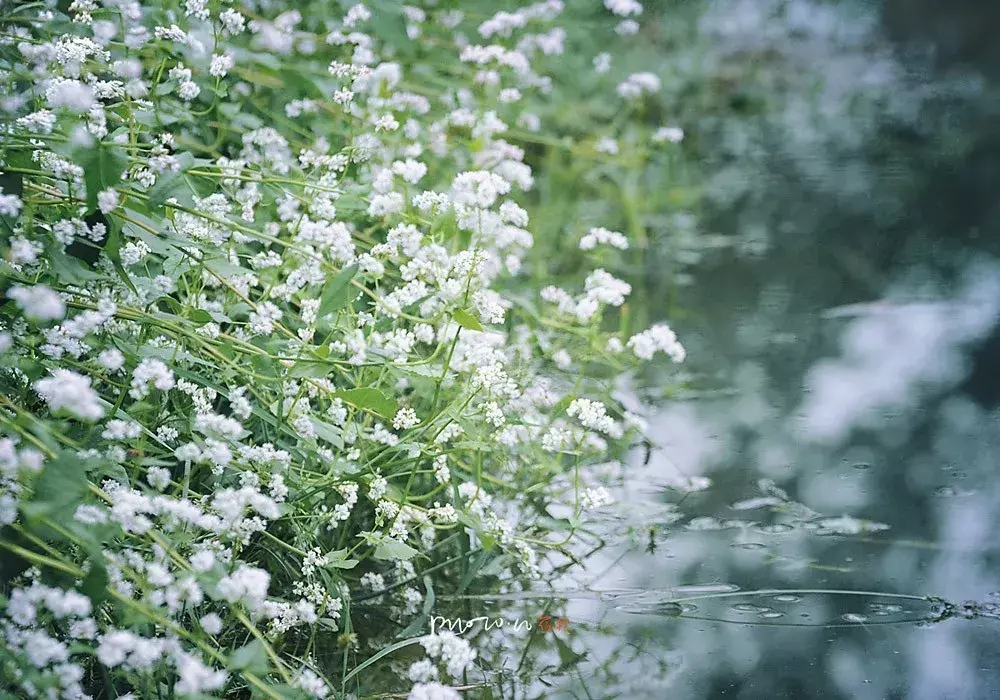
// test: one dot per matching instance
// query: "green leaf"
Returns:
(329, 433)
(59, 489)
(95, 583)
(103, 166)
(467, 320)
(338, 292)
(369, 399)
(252, 658)
(339, 560)
(200, 317)
(394, 549)
(382, 654)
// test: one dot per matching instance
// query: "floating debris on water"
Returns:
(755, 503)
(845, 525)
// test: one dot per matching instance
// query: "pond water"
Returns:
(821, 500)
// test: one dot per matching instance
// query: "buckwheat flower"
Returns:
(107, 200)
(70, 94)
(188, 90)
(373, 582)
(627, 27)
(202, 560)
(221, 64)
(311, 683)
(232, 22)
(194, 677)
(247, 585)
(158, 478)
(133, 252)
(671, 134)
(602, 63)
(171, 33)
(41, 122)
(593, 415)
(657, 338)
(39, 303)
(148, 372)
(603, 287)
(602, 236)
(211, 623)
(377, 488)
(606, 144)
(405, 418)
(639, 84)
(90, 515)
(262, 320)
(111, 359)
(594, 498)
(410, 170)
(562, 359)
(386, 204)
(623, 8)
(422, 671)
(11, 204)
(69, 392)
(117, 429)
(433, 691)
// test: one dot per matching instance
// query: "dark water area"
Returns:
(820, 516)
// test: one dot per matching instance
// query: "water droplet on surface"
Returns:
(750, 608)
(883, 609)
(771, 614)
(787, 598)
(774, 529)
(856, 618)
(861, 465)
(695, 589)
(749, 545)
(755, 503)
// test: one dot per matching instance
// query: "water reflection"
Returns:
(815, 531)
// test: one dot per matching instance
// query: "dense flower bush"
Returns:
(274, 343)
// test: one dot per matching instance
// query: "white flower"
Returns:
(659, 337)
(672, 134)
(70, 392)
(602, 236)
(433, 691)
(107, 200)
(211, 623)
(10, 204)
(111, 359)
(222, 64)
(606, 144)
(39, 303)
(70, 94)
(594, 498)
(623, 8)
(247, 584)
(627, 27)
(405, 418)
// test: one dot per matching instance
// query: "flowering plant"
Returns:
(272, 346)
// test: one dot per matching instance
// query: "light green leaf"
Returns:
(103, 166)
(369, 399)
(252, 658)
(338, 292)
(339, 560)
(394, 549)
(467, 320)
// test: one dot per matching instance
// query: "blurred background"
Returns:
(826, 248)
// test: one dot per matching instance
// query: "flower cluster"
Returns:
(272, 344)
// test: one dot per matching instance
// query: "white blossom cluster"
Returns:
(273, 332)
